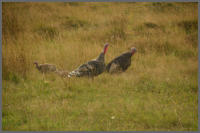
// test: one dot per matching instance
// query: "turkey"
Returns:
(91, 68)
(121, 63)
(44, 68)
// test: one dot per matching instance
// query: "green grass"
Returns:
(159, 92)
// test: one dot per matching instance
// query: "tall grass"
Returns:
(157, 93)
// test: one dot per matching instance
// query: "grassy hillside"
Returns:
(157, 93)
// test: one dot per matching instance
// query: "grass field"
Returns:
(157, 93)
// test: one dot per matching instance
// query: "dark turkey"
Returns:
(121, 63)
(44, 68)
(91, 68)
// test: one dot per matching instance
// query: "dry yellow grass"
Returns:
(158, 92)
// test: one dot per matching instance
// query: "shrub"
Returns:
(47, 32)
(73, 3)
(189, 25)
(150, 25)
(193, 39)
(162, 6)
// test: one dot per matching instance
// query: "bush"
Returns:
(150, 25)
(189, 25)
(162, 6)
(193, 39)
(47, 32)
(73, 3)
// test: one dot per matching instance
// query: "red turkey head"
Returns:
(35, 62)
(105, 48)
(133, 50)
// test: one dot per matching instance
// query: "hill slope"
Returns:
(157, 93)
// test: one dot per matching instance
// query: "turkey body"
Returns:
(44, 68)
(91, 68)
(120, 63)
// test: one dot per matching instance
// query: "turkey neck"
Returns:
(101, 57)
(37, 66)
(132, 53)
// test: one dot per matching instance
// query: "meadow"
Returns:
(158, 92)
